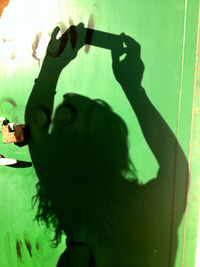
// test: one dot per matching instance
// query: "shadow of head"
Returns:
(89, 138)
(89, 152)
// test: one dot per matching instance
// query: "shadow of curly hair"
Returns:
(104, 146)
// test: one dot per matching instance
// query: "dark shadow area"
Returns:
(88, 186)
(21, 164)
(13, 163)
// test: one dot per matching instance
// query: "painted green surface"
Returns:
(160, 29)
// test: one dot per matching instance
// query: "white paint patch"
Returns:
(20, 23)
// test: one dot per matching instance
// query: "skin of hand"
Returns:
(128, 71)
(61, 51)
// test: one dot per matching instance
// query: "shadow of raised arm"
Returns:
(60, 52)
(170, 187)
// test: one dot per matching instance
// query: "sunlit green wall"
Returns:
(167, 32)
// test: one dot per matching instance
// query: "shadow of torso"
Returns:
(123, 222)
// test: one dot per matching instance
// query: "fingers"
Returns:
(77, 36)
(69, 43)
(130, 43)
(81, 32)
(63, 42)
(116, 54)
(73, 36)
(55, 32)
(128, 40)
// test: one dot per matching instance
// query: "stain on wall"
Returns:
(18, 249)
(90, 26)
(35, 45)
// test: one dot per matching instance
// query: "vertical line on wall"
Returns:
(192, 123)
(177, 134)
(182, 67)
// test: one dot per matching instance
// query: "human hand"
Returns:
(128, 71)
(64, 49)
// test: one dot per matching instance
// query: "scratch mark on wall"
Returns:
(13, 55)
(35, 44)
(90, 26)
(63, 27)
(37, 245)
(6, 40)
(9, 100)
(71, 21)
(18, 249)
(28, 246)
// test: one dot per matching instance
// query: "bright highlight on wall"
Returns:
(25, 29)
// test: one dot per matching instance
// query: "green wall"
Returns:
(167, 32)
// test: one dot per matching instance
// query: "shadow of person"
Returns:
(88, 186)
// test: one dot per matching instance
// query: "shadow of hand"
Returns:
(64, 49)
(129, 70)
